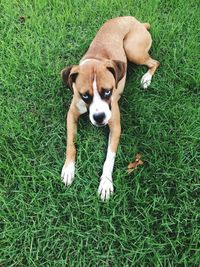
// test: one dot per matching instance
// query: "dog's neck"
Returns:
(82, 62)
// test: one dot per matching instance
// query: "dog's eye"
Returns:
(106, 93)
(85, 96)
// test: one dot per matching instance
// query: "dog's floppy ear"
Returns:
(118, 69)
(69, 75)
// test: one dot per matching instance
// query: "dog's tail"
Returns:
(146, 25)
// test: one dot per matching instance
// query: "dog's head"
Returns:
(95, 83)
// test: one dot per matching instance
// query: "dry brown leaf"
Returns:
(133, 165)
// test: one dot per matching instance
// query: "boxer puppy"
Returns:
(97, 83)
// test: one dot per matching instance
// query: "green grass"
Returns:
(153, 217)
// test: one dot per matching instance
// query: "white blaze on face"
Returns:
(98, 106)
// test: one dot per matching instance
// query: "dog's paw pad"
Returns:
(146, 80)
(105, 189)
(67, 173)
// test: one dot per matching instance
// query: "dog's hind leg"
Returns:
(137, 44)
(152, 64)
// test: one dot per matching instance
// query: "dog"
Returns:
(97, 83)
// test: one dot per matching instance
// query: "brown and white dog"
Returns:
(97, 84)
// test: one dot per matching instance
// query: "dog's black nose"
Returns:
(99, 117)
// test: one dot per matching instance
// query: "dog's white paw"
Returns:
(67, 173)
(105, 189)
(146, 80)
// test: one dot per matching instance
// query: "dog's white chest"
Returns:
(81, 106)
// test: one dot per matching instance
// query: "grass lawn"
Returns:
(153, 219)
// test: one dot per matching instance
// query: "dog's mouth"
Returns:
(99, 121)
(99, 113)
(100, 124)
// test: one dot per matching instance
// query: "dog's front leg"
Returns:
(68, 169)
(106, 184)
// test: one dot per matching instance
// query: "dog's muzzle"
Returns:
(99, 113)
(99, 117)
